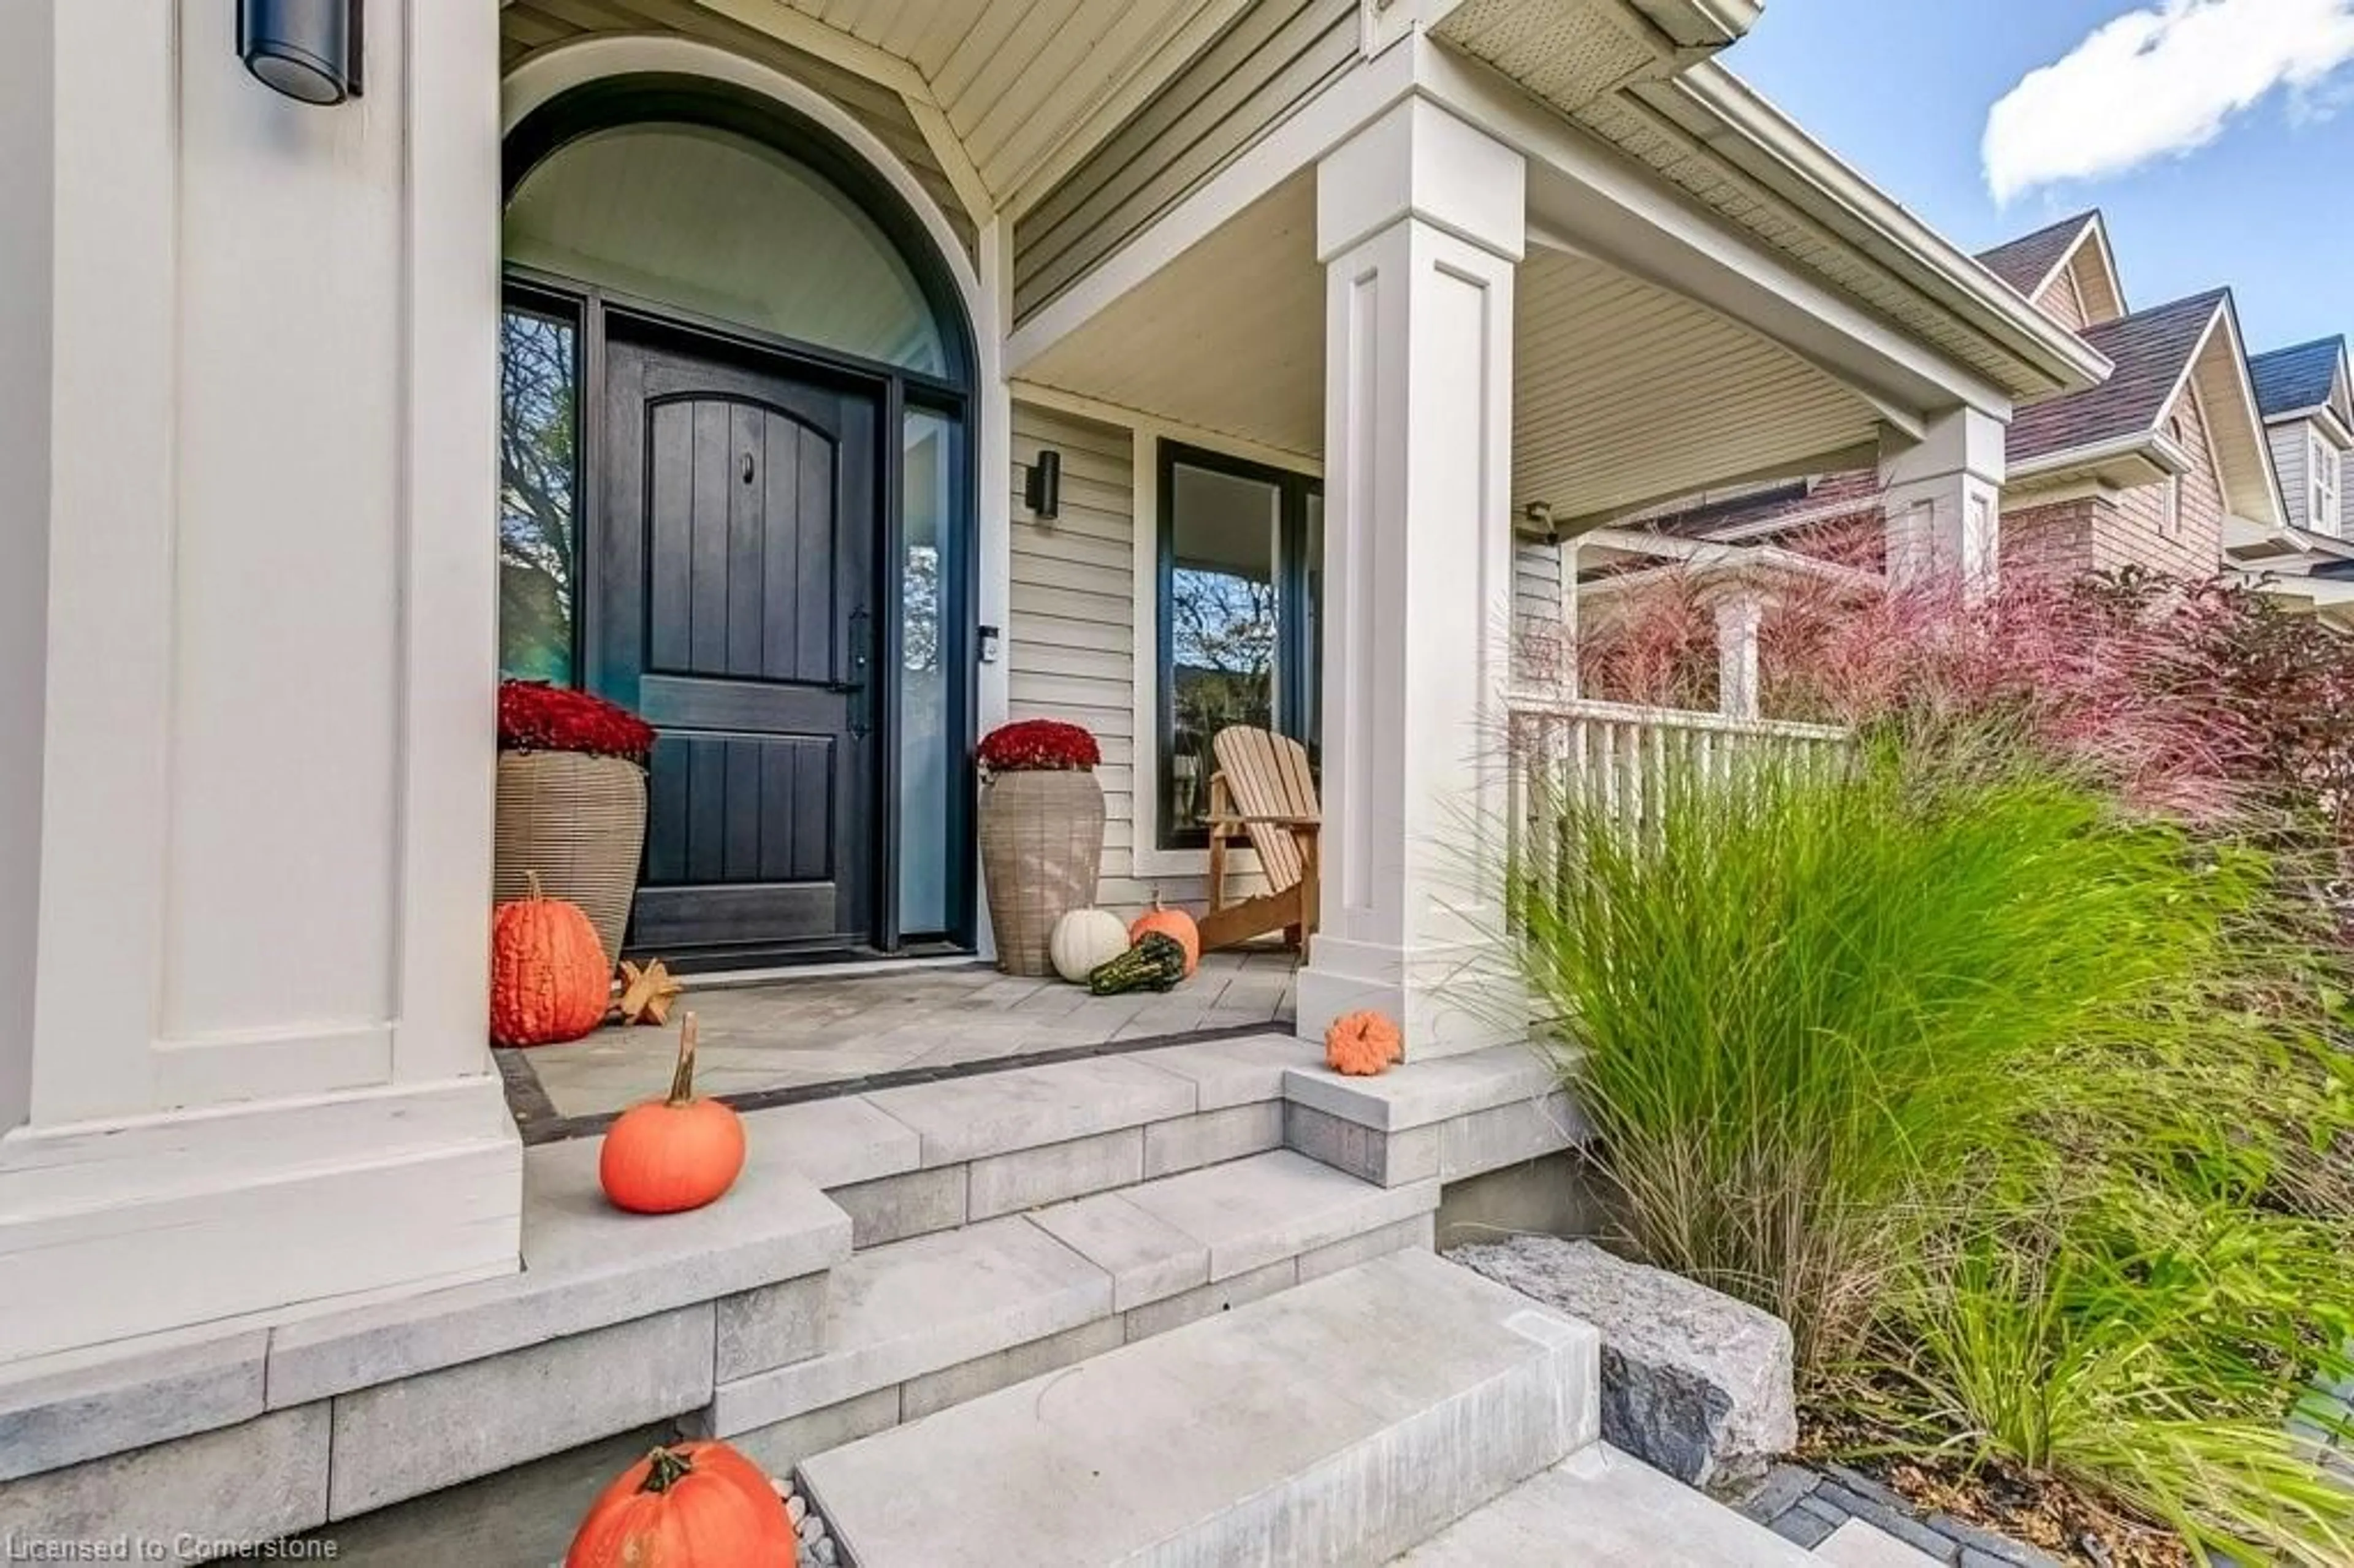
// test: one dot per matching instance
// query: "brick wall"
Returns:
(2054, 540)
(2126, 527)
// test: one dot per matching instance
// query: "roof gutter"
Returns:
(2165, 455)
(1958, 282)
(1700, 25)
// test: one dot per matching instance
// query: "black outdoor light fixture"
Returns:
(307, 49)
(1042, 491)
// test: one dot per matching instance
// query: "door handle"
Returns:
(857, 687)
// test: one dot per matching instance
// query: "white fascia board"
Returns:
(2097, 230)
(2243, 399)
(2148, 445)
(1992, 306)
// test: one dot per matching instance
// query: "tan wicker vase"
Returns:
(580, 822)
(1042, 838)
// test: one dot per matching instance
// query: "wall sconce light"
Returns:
(307, 49)
(1042, 491)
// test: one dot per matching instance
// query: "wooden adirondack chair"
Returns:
(1262, 794)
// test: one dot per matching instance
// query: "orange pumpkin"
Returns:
(1360, 1045)
(1174, 924)
(669, 1155)
(689, 1505)
(550, 980)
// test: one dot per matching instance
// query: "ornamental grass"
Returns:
(2008, 1063)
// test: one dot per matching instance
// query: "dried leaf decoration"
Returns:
(647, 993)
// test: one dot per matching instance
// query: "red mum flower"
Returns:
(1035, 746)
(536, 717)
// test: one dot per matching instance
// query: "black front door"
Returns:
(734, 610)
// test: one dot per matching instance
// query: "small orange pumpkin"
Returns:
(687, 1505)
(665, 1156)
(1361, 1045)
(550, 980)
(1174, 924)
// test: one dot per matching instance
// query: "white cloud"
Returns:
(2165, 80)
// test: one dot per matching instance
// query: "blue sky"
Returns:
(2226, 128)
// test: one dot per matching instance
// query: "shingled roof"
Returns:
(2289, 379)
(2151, 350)
(2026, 261)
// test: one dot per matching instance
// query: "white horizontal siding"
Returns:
(2290, 443)
(1070, 641)
(1537, 619)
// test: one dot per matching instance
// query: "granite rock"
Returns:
(1693, 1383)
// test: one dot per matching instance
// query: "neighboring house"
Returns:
(1314, 303)
(2143, 469)
(2307, 398)
(2148, 469)
(2308, 560)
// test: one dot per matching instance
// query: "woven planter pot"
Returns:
(1042, 838)
(580, 822)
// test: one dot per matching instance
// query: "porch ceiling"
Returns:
(969, 72)
(1624, 392)
(1229, 337)
(988, 66)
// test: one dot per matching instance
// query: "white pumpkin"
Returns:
(1084, 939)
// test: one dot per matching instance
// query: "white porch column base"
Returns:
(1420, 222)
(1447, 998)
(122, 1228)
(1943, 496)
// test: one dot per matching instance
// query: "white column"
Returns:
(1942, 496)
(254, 1071)
(1740, 618)
(1420, 222)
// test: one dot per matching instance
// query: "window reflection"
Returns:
(928, 480)
(1225, 531)
(538, 379)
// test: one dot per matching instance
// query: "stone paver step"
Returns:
(931, 1157)
(1153, 1256)
(1336, 1424)
(1601, 1508)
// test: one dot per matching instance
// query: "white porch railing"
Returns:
(1615, 757)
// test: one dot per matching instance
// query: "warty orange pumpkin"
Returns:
(687, 1505)
(665, 1156)
(550, 980)
(1174, 924)
(1361, 1045)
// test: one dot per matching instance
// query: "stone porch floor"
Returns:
(781, 1040)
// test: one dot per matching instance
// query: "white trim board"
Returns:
(118, 1229)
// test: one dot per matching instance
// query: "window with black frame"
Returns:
(1240, 570)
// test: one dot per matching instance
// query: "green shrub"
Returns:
(1810, 1010)
(2012, 1105)
(2140, 1341)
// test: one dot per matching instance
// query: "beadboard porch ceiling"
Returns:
(1624, 392)
(1019, 87)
